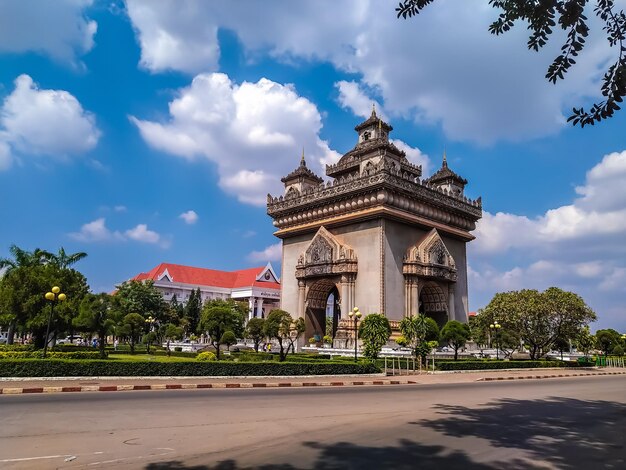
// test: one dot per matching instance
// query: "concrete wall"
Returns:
(457, 249)
(364, 239)
(292, 249)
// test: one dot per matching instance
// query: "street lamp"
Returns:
(55, 295)
(150, 321)
(356, 314)
(495, 326)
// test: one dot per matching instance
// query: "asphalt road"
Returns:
(577, 423)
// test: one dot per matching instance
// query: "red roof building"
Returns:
(260, 287)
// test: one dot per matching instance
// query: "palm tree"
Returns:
(63, 260)
(24, 258)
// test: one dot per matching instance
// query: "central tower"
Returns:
(375, 235)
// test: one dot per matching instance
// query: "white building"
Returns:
(260, 287)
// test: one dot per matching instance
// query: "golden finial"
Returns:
(445, 159)
(374, 109)
(302, 161)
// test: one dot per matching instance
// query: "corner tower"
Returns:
(374, 236)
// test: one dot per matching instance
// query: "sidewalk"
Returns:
(10, 386)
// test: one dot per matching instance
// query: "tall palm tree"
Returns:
(62, 259)
(23, 258)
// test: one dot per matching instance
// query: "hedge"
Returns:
(71, 368)
(17, 347)
(51, 355)
(482, 365)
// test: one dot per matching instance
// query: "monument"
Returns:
(375, 235)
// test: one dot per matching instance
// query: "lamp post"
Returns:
(150, 321)
(356, 314)
(495, 327)
(55, 295)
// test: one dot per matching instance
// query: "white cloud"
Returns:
(5, 155)
(120, 208)
(190, 217)
(578, 246)
(271, 253)
(58, 29)
(352, 97)
(44, 122)
(253, 132)
(141, 233)
(460, 77)
(96, 231)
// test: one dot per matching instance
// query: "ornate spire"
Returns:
(444, 174)
(302, 172)
(374, 109)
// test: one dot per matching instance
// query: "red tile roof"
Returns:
(209, 277)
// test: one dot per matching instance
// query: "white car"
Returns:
(70, 340)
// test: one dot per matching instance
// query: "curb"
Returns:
(120, 388)
(527, 377)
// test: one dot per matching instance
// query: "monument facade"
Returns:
(374, 236)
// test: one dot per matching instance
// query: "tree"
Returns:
(62, 260)
(133, 323)
(228, 338)
(542, 17)
(149, 338)
(296, 330)
(23, 306)
(219, 316)
(417, 331)
(279, 325)
(375, 331)
(14, 310)
(539, 318)
(606, 340)
(456, 335)
(176, 312)
(254, 331)
(584, 341)
(96, 316)
(172, 332)
(193, 310)
(618, 351)
(23, 258)
(141, 297)
(561, 344)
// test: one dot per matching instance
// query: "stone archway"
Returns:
(429, 278)
(316, 308)
(326, 267)
(433, 303)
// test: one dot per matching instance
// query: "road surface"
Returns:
(575, 423)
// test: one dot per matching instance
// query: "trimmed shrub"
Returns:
(91, 354)
(72, 348)
(17, 347)
(482, 365)
(69, 368)
(206, 356)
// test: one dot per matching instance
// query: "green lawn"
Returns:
(149, 357)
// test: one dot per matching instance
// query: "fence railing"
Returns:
(611, 361)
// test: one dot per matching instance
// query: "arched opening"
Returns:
(433, 304)
(322, 301)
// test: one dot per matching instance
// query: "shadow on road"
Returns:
(568, 433)
(346, 456)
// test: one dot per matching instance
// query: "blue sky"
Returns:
(118, 119)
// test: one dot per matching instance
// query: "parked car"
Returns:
(70, 340)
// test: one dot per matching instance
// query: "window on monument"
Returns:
(366, 136)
